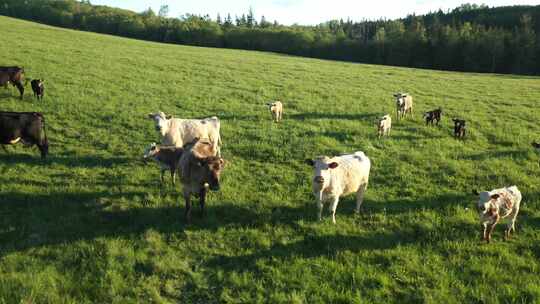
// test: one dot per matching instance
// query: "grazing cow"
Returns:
(27, 127)
(166, 157)
(38, 88)
(199, 166)
(178, 132)
(13, 75)
(276, 109)
(338, 176)
(459, 128)
(432, 116)
(404, 104)
(495, 205)
(384, 125)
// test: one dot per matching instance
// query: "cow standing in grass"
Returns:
(384, 124)
(178, 132)
(433, 116)
(199, 167)
(459, 128)
(25, 127)
(495, 205)
(167, 157)
(338, 176)
(13, 75)
(276, 109)
(404, 104)
(38, 87)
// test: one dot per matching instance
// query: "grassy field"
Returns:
(92, 225)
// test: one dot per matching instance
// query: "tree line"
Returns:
(469, 38)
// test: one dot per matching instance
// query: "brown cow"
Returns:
(199, 166)
(13, 75)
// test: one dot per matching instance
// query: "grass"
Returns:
(92, 225)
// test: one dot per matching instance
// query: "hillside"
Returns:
(91, 224)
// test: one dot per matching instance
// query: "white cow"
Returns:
(178, 132)
(404, 104)
(495, 205)
(276, 109)
(337, 176)
(384, 125)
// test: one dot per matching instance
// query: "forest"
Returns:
(470, 38)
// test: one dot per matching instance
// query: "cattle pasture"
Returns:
(92, 224)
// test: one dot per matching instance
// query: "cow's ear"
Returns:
(475, 192)
(333, 165)
(168, 117)
(150, 115)
(310, 162)
(495, 196)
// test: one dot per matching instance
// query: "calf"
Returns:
(459, 128)
(404, 104)
(38, 88)
(432, 116)
(166, 157)
(26, 127)
(276, 109)
(338, 176)
(384, 125)
(13, 75)
(199, 166)
(495, 205)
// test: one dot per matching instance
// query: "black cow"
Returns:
(26, 127)
(432, 116)
(38, 87)
(13, 75)
(459, 128)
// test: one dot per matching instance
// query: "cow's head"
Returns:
(321, 171)
(272, 106)
(161, 121)
(208, 165)
(400, 99)
(459, 123)
(150, 151)
(485, 202)
(381, 121)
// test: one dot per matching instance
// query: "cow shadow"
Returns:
(87, 161)
(66, 217)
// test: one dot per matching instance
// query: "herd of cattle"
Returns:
(192, 148)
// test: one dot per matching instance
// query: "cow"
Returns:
(38, 87)
(13, 75)
(432, 116)
(166, 157)
(178, 132)
(459, 128)
(199, 167)
(276, 109)
(26, 127)
(536, 146)
(495, 205)
(404, 104)
(384, 124)
(338, 176)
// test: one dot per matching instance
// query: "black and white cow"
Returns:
(25, 127)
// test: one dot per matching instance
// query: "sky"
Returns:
(305, 12)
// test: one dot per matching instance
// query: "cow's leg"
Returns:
(320, 206)
(491, 227)
(484, 233)
(19, 86)
(202, 197)
(333, 208)
(162, 176)
(173, 176)
(187, 212)
(511, 226)
(360, 197)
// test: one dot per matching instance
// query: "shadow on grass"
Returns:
(87, 161)
(516, 154)
(31, 220)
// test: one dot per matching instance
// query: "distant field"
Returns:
(91, 225)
